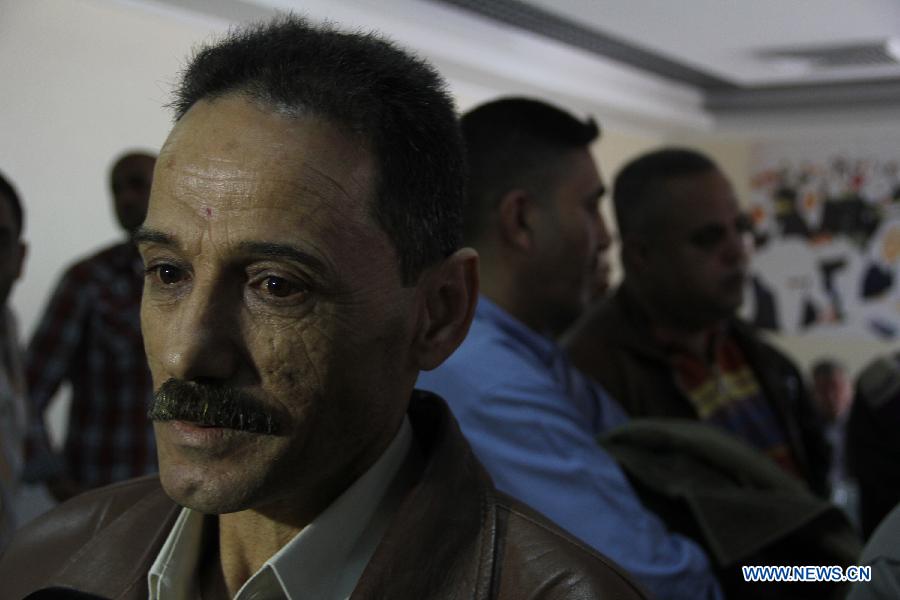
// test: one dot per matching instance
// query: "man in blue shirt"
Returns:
(532, 419)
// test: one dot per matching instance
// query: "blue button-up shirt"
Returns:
(532, 420)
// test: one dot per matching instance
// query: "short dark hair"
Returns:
(9, 192)
(637, 187)
(370, 87)
(513, 142)
(826, 367)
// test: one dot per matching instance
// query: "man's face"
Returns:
(12, 250)
(834, 393)
(130, 181)
(697, 258)
(571, 241)
(266, 276)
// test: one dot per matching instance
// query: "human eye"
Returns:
(708, 237)
(165, 274)
(279, 289)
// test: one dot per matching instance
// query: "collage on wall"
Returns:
(827, 228)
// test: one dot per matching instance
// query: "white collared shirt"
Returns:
(324, 561)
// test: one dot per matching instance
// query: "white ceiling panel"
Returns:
(725, 37)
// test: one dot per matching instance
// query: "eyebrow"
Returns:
(284, 251)
(708, 229)
(267, 249)
(152, 236)
(740, 222)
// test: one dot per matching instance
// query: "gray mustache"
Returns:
(213, 405)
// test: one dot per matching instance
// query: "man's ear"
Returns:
(514, 215)
(450, 292)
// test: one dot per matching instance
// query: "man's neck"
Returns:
(246, 540)
(535, 320)
(499, 287)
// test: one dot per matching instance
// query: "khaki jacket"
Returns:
(453, 536)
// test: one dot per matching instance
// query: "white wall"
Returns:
(82, 81)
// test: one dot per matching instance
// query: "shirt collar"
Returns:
(325, 560)
(542, 346)
(172, 573)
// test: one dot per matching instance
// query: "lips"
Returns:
(206, 439)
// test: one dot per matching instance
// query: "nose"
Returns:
(736, 252)
(204, 341)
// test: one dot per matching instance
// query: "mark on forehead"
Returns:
(208, 211)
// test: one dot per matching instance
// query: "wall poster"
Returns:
(827, 226)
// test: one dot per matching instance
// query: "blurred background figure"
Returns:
(873, 443)
(90, 337)
(12, 380)
(669, 343)
(833, 392)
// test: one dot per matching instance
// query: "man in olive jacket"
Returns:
(302, 266)
(668, 343)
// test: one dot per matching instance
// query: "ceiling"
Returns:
(760, 54)
(697, 64)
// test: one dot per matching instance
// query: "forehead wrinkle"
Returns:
(228, 178)
(238, 148)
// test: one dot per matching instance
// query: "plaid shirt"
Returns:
(90, 336)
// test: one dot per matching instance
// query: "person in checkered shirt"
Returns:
(90, 337)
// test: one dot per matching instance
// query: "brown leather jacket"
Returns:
(614, 345)
(454, 536)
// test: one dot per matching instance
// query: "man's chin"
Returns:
(726, 310)
(206, 492)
